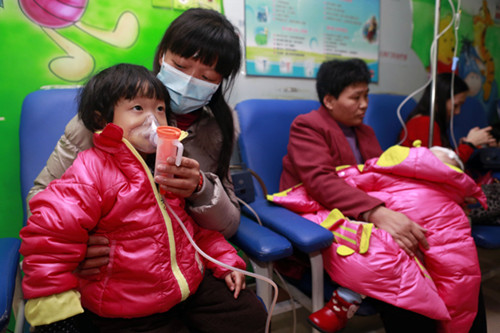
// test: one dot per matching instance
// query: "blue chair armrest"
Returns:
(9, 261)
(303, 234)
(259, 242)
(486, 236)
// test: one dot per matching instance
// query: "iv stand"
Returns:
(434, 72)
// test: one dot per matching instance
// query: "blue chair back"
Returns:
(271, 136)
(9, 248)
(263, 144)
(44, 116)
(382, 117)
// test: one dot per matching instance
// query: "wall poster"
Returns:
(291, 38)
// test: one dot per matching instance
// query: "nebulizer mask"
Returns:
(187, 93)
(146, 138)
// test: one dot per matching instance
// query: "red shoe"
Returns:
(334, 315)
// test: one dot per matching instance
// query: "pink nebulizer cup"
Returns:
(168, 145)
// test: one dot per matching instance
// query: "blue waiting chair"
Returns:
(264, 131)
(382, 117)
(10, 280)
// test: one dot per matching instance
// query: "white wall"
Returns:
(400, 71)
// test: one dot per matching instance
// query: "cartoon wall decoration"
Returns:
(483, 59)
(77, 64)
(478, 49)
(61, 43)
(185, 4)
(446, 46)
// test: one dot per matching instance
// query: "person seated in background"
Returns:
(155, 280)
(418, 120)
(332, 136)
(431, 191)
(483, 166)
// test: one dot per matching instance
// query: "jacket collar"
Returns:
(364, 137)
(109, 139)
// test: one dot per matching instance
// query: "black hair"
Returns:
(97, 100)
(336, 75)
(495, 131)
(209, 36)
(443, 93)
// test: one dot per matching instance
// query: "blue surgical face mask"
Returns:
(186, 92)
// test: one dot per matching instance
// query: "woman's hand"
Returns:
(186, 176)
(97, 256)
(235, 282)
(406, 233)
(480, 136)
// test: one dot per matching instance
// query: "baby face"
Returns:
(447, 156)
(138, 117)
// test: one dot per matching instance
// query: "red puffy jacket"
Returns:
(109, 191)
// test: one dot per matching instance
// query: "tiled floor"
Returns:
(283, 323)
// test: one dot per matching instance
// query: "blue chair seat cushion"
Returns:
(303, 234)
(261, 243)
(486, 236)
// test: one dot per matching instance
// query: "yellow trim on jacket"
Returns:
(50, 309)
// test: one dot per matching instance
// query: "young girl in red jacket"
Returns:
(155, 279)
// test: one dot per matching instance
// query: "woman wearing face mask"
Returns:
(190, 62)
(197, 60)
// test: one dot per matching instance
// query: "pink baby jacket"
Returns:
(444, 283)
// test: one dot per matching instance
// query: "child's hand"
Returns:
(96, 257)
(235, 282)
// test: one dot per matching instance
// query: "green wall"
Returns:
(27, 52)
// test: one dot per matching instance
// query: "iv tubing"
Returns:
(434, 72)
(217, 262)
(283, 283)
(452, 91)
(433, 55)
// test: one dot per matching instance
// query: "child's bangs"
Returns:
(145, 88)
(151, 89)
